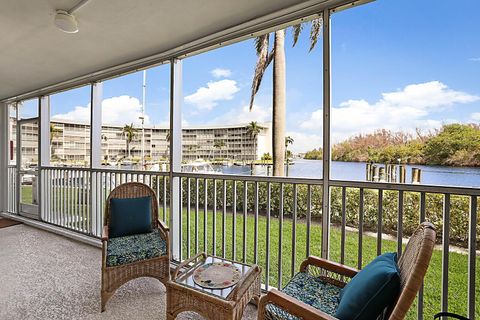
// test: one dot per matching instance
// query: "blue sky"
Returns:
(397, 64)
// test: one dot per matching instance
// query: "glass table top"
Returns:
(186, 278)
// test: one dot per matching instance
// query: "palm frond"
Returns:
(297, 29)
(264, 59)
(261, 42)
(315, 32)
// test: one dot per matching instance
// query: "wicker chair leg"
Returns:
(105, 296)
(260, 310)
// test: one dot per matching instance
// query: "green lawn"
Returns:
(432, 291)
(26, 194)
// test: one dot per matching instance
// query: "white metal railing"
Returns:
(12, 191)
(277, 221)
(74, 198)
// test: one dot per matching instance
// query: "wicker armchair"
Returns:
(413, 265)
(116, 274)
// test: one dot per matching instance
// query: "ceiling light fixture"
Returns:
(66, 21)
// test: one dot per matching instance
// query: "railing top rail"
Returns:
(249, 178)
(470, 191)
(144, 172)
(64, 168)
(155, 173)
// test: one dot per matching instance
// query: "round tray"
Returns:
(216, 275)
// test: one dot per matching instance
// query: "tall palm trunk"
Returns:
(279, 104)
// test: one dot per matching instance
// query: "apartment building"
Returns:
(70, 142)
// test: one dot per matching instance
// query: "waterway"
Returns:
(432, 175)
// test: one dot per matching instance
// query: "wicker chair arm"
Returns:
(163, 230)
(186, 262)
(163, 226)
(245, 282)
(292, 306)
(328, 265)
(105, 233)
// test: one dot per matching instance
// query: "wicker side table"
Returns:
(183, 294)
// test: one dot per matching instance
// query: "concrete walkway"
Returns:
(46, 276)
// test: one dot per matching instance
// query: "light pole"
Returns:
(144, 87)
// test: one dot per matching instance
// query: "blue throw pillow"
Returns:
(130, 216)
(371, 290)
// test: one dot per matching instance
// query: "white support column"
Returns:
(176, 98)
(44, 149)
(4, 150)
(96, 156)
(44, 138)
(326, 135)
(96, 125)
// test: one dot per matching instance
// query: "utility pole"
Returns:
(144, 87)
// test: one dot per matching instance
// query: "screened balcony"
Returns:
(272, 221)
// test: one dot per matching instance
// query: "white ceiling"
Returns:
(34, 54)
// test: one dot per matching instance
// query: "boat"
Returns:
(199, 166)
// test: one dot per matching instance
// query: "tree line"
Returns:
(451, 145)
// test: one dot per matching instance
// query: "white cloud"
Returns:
(221, 73)
(405, 109)
(475, 116)
(477, 59)
(208, 97)
(116, 110)
(244, 115)
(303, 141)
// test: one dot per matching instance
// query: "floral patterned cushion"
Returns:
(128, 249)
(310, 290)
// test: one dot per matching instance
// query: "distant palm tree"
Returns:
(167, 137)
(218, 144)
(105, 139)
(253, 129)
(288, 140)
(277, 55)
(130, 132)
(54, 132)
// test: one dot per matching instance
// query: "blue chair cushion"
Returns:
(130, 216)
(128, 249)
(310, 290)
(371, 290)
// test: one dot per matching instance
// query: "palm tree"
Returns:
(167, 138)
(277, 55)
(105, 139)
(288, 140)
(253, 129)
(130, 132)
(218, 144)
(54, 131)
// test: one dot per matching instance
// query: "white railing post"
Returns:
(4, 149)
(176, 98)
(44, 153)
(326, 135)
(96, 156)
